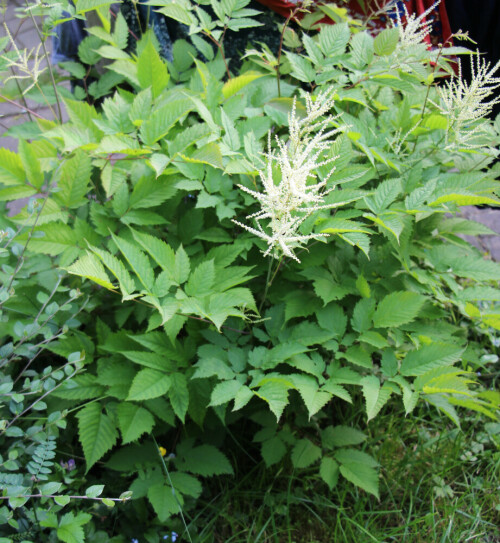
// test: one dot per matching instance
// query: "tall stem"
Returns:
(282, 36)
(219, 46)
(47, 58)
(267, 284)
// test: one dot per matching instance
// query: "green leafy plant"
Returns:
(348, 282)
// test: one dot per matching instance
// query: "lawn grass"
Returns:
(438, 484)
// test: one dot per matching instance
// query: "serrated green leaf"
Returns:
(275, 393)
(74, 180)
(385, 43)
(186, 484)
(361, 475)
(149, 384)
(305, 453)
(11, 168)
(96, 432)
(225, 392)
(116, 267)
(201, 281)
(308, 388)
(430, 356)
(133, 421)
(163, 501)
(398, 308)
(375, 396)
(179, 395)
(341, 436)
(162, 120)
(235, 84)
(181, 266)
(329, 471)
(273, 450)
(205, 460)
(137, 260)
(56, 238)
(31, 164)
(70, 526)
(90, 267)
(151, 70)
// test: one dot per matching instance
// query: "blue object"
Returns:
(67, 39)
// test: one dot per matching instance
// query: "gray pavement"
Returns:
(26, 36)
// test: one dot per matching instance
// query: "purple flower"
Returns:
(70, 465)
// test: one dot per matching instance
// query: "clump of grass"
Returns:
(438, 484)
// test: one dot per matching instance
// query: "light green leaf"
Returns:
(90, 267)
(94, 491)
(181, 266)
(201, 280)
(74, 180)
(208, 154)
(375, 396)
(302, 68)
(398, 308)
(362, 49)
(151, 70)
(361, 475)
(178, 13)
(308, 388)
(385, 43)
(11, 168)
(149, 384)
(116, 267)
(275, 393)
(430, 356)
(161, 120)
(31, 164)
(334, 38)
(161, 253)
(235, 84)
(225, 392)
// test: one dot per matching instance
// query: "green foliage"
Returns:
(191, 337)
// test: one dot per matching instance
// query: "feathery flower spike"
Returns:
(464, 103)
(299, 193)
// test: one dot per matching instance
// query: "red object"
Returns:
(438, 18)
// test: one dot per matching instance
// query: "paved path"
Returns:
(26, 37)
(10, 115)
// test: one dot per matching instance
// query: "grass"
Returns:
(438, 484)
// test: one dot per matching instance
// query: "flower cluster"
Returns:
(298, 192)
(413, 29)
(464, 103)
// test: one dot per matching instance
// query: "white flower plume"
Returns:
(414, 29)
(464, 103)
(299, 193)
